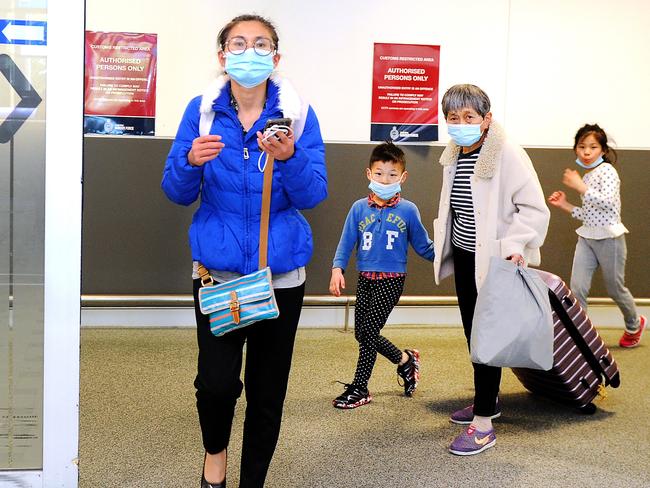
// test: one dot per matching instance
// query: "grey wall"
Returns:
(135, 240)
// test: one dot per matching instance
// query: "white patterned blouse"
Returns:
(601, 205)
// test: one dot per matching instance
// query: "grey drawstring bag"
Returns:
(513, 320)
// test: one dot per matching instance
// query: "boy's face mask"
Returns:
(249, 69)
(385, 192)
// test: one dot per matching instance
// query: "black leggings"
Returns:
(269, 348)
(486, 378)
(375, 300)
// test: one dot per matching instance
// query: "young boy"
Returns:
(380, 226)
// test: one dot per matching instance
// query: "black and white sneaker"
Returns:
(354, 396)
(410, 372)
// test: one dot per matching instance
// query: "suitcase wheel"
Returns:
(588, 409)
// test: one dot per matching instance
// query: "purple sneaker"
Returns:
(465, 416)
(472, 441)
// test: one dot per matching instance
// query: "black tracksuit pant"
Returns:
(486, 378)
(269, 348)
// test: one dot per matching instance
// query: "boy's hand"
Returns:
(281, 149)
(572, 179)
(337, 282)
(204, 149)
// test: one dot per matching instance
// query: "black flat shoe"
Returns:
(205, 484)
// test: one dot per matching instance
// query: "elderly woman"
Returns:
(491, 204)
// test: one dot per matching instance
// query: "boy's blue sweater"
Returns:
(381, 237)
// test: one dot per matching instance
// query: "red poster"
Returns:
(405, 92)
(120, 83)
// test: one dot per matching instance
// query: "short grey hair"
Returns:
(463, 96)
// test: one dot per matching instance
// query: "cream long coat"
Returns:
(509, 206)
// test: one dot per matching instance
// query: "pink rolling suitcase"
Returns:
(582, 364)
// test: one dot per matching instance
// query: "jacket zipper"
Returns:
(246, 154)
(247, 250)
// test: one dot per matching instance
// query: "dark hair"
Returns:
(609, 154)
(389, 153)
(225, 31)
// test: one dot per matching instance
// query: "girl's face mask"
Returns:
(590, 165)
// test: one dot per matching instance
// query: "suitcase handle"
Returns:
(576, 336)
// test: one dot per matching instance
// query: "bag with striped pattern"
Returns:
(240, 302)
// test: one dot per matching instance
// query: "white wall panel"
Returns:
(576, 62)
(547, 66)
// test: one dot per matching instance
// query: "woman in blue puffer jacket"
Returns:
(215, 156)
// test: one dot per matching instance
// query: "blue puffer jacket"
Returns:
(224, 233)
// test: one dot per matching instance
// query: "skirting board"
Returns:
(314, 317)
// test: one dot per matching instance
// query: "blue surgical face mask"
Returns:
(249, 69)
(592, 165)
(464, 135)
(385, 192)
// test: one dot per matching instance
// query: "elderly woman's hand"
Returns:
(204, 149)
(280, 147)
(572, 179)
(517, 259)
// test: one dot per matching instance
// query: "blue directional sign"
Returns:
(32, 32)
(29, 99)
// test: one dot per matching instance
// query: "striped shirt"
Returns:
(463, 230)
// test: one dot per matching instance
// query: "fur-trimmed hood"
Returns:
(289, 101)
(487, 161)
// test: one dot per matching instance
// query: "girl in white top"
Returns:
(601, 238)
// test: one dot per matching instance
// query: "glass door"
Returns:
(41, 53)
(23, 63)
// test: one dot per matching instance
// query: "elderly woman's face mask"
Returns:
(464, 126)
(465, 134)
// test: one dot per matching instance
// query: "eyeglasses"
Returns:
(262, 45)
